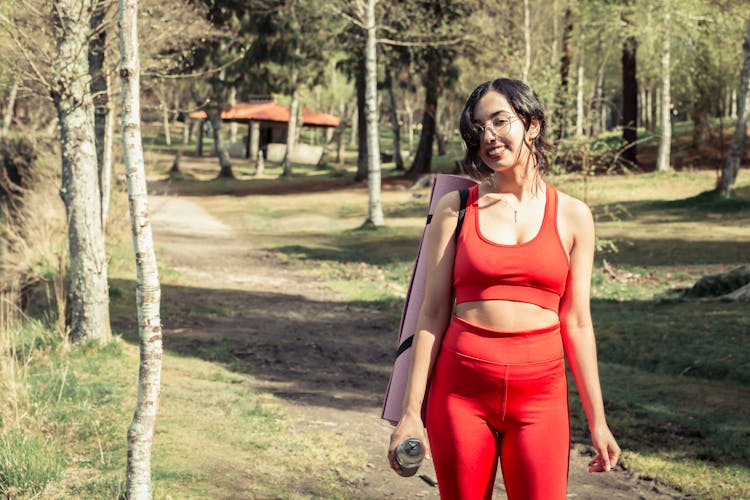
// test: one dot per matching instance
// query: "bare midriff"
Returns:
(506, 315)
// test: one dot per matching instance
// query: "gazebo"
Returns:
(267, 123)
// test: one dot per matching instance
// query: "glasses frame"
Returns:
(496, 125)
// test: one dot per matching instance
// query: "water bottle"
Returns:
(409, 455)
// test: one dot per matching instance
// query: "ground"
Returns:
(324, 359)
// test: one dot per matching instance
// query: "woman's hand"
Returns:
(410, 426)
(608, 452)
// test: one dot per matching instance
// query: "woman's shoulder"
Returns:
(572, 208)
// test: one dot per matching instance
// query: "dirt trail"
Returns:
(325, 359)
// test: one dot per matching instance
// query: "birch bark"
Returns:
(148, 291)
(88, 294)
(737, 148)
(665, 139)
(371, 110)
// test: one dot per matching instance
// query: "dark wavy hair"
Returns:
(525, 103)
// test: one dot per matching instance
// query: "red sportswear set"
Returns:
(502, 394)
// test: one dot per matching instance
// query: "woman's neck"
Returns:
(519, 182)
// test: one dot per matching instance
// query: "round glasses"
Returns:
(500, 125)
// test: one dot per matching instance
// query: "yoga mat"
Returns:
(394, 394)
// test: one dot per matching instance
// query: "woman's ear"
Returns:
(533, 130)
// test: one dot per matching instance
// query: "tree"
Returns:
(88, 295)
(371, 109)
(148, 291)
(629, 99)
(665, 139)
(737, 149)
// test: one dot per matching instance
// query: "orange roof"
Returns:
(270, 112)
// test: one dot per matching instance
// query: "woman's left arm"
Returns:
(578, 333)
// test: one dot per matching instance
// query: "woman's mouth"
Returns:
(496, 152)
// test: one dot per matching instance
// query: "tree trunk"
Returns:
(214, 116)
(361, 83)
(737, 148)
(394, 120)
(105, 174)
(665, 139)
(561, 107)
(8, 116)
(232, 100)
(579, 93)
(371, 108)
(165, 121)
(527, 41)
(88, 295)
(291, 132)
(102, 106)
(629, 100)
(148, 291)
(423, 158)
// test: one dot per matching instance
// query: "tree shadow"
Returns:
(323, 353)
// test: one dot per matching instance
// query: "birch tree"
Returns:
(88, 294)
(737, 149)
(371, 109)
(148, 291)
(665, 138)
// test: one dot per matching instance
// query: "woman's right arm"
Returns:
(434, 316)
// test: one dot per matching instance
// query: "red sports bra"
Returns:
(534, 272)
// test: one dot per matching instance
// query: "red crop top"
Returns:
(534, 272)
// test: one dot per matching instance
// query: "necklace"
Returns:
(515, 209)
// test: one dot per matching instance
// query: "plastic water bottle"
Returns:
(409, 455)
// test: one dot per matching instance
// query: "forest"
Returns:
(276, 157)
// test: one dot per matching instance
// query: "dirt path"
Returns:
(323, 358)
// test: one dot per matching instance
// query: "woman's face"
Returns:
(502, 138)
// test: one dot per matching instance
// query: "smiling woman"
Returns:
(518, 277)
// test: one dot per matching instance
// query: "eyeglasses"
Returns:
(500, 125)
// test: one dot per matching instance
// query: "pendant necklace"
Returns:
(515, 210)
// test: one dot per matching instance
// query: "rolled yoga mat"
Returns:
(394, 394)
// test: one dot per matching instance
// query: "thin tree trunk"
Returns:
(527, 41)
(394, 120)
(423, 158)
(629, 100)
(165, 119)
(579, 92)
(371, 108)
(737, 148)
(361, 83)
(105, 174)
(409, 123)
(102, 106)
(561, 106)
(148, 291)
(665, 139)
(8, 116)
(88, 295)
(214, 116)
(232, 100)
(291, 132)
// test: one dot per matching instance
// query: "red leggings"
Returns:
(500, 394)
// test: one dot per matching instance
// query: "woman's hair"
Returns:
(525, 103)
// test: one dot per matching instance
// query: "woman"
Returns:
(520, 275)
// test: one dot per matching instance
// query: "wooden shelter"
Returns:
(267, 123)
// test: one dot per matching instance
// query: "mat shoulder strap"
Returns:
(464, 195)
